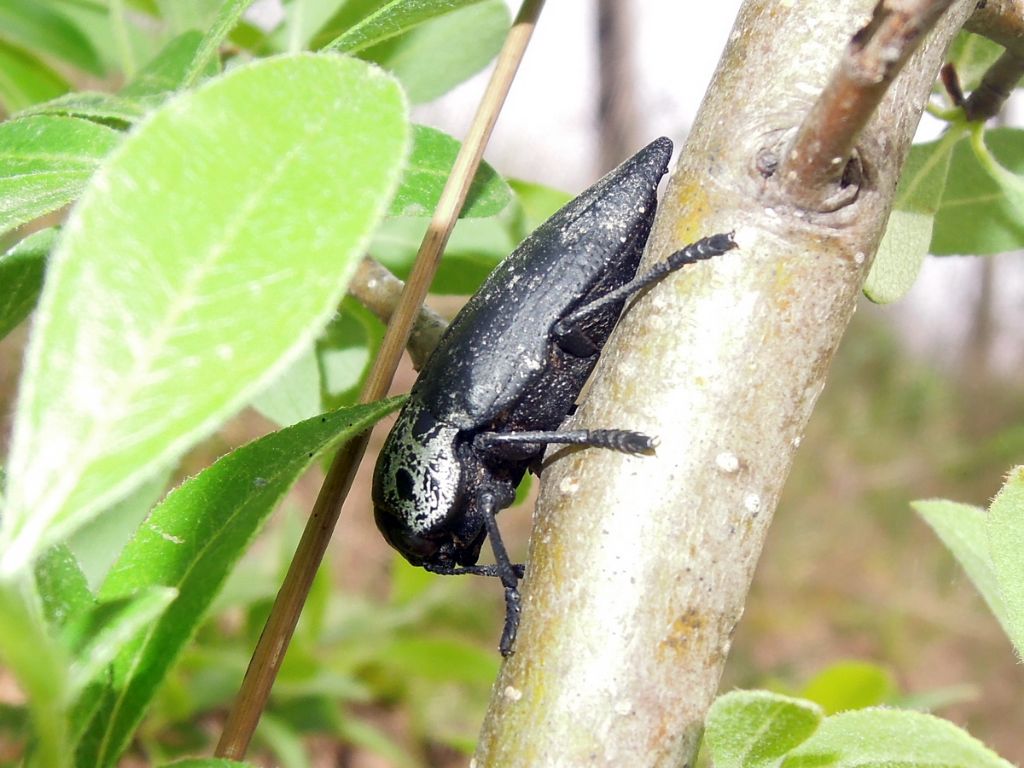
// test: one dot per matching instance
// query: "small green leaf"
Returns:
(166, 72)
(891, 738)
(908, 234)
(26, 80)
(431, 161)
(39, 28)
(391, 19)
(91, 105)
(850, 685)
(206, 253)
(441, 660)
(190, 543)
(207, 762)
(100, 635)
(39, 666)
(961, 528)
(753, 729)
(328, 375)
(62, 587)
(97, 544)
(228, 15)
(434, 57)
(474, 248)
(45, 162)
(1005, 530)
(21, 277)
(539, 203)
(975, 215)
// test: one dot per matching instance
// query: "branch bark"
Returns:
(639, 567)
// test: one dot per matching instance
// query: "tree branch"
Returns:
(379, 291)
(639, 567)
(1001, 21)
(816, 168)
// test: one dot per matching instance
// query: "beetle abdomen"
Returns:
(499, 345)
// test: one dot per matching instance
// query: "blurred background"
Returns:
(855, 601)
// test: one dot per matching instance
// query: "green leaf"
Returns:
(538, 202)
(206, 253)
(909, 231)
(97, 544)
(284, 741)
(1005, 530)
(167, 71)
(228, 15)
(961, 528)
(37, 27)
(474, 248)
(45, 162)
(91, 105)
(391, 19)
(436, 56)
(441, 660)
(39, 666)
(190, 543)
(891, 738)
(21, 277)
(62, 587)
(26, 80)
(207, 762)
(753, 729)
(101, 634)
(850, 685)
(329, 374)
(433, 155)
(975, 216)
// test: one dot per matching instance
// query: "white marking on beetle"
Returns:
(623, 707)
(752, 502)
(859, 257)
(569, 485)
(512, 693)
(797, 440)
(727, 461)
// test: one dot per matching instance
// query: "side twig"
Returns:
(817, 166)
(1001, 21)
(995, 88)
(379, 291)
(266, 660)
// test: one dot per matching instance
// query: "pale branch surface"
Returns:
(379, 291)
(639, 566)
(815, 168)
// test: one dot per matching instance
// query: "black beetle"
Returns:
(508, 371)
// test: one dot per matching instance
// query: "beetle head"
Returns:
(418, 499)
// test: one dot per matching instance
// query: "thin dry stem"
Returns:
(266, 660)
(814, 166)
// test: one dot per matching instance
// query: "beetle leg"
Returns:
(705, 248)
(488, 505)
(571, 339)
(622, 440)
